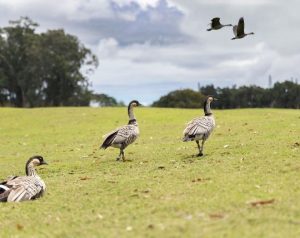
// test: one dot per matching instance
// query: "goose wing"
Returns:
(215, 22)
(197, 127)
(235, 30)
(123, 135)
(126, 135)
(22, 189)
(108, 139)
(240, 27)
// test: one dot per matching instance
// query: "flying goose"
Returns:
(23, 188)
(238, 30)
(125, 135)
(200, 128)
(216, 25)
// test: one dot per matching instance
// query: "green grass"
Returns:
(163, 191)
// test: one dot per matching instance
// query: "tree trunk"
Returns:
(19, 97)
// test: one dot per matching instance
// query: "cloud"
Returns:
(149, 47)
(146, 66)
(133, 24)
(67, 9)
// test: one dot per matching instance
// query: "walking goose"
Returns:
(23, 188)
(238, 30)
(125, 135)
(216, 25)
(200, 128)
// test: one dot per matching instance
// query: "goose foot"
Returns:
(200, 154)
(118, 159)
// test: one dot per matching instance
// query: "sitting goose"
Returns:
(238, 30)
(200, 128)
(216, 25)
(23, 188)
(125, 135)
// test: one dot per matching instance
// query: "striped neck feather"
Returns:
(130, 113)
(207, 110)
(30, 171)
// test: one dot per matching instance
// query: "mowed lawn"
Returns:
(246, 185)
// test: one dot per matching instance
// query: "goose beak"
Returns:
(44, 163)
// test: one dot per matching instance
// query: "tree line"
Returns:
(43, 69)
(282, 95)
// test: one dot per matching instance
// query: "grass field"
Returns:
(252, 158)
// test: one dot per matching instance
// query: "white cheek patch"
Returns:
(35, 162)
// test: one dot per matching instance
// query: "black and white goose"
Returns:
(125, 135)
(23, 188)
(238, 30)
(216, 25)
(200, 128)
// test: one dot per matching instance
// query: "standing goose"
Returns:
(23, 188)
(200, 128)
(125, 135)
(238, 30)
(216, 25)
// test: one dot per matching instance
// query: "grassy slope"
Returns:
(91, 195)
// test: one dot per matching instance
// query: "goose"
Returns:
(200, 128)
(216, 25)
(238, 30)
(125, 135)
(23, 188)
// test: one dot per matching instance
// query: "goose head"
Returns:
(211, 98)
(36, 160)
(134, 103)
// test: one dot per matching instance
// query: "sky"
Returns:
(147, 48)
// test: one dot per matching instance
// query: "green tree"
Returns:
(62, 58)
(16, 42)
(43, 69)
(208, 90)
(286, 95)
(105, 101)
(185, 98)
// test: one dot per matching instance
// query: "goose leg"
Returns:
(200, 148)
(123, 155)
(119, 157)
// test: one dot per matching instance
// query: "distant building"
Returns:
(270, 81)
(199, 87)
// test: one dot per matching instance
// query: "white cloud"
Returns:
(68, 9)
(148, 47)
(107, 48)
(233, 2)
(143, 3)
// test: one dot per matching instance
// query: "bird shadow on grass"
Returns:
(191, 158)
(124, 161)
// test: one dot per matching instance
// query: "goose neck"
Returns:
(30, 170)
(130, 113)
(207, 110)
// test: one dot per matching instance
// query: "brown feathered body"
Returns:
(23, 188)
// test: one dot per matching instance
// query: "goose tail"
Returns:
(4, 192)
